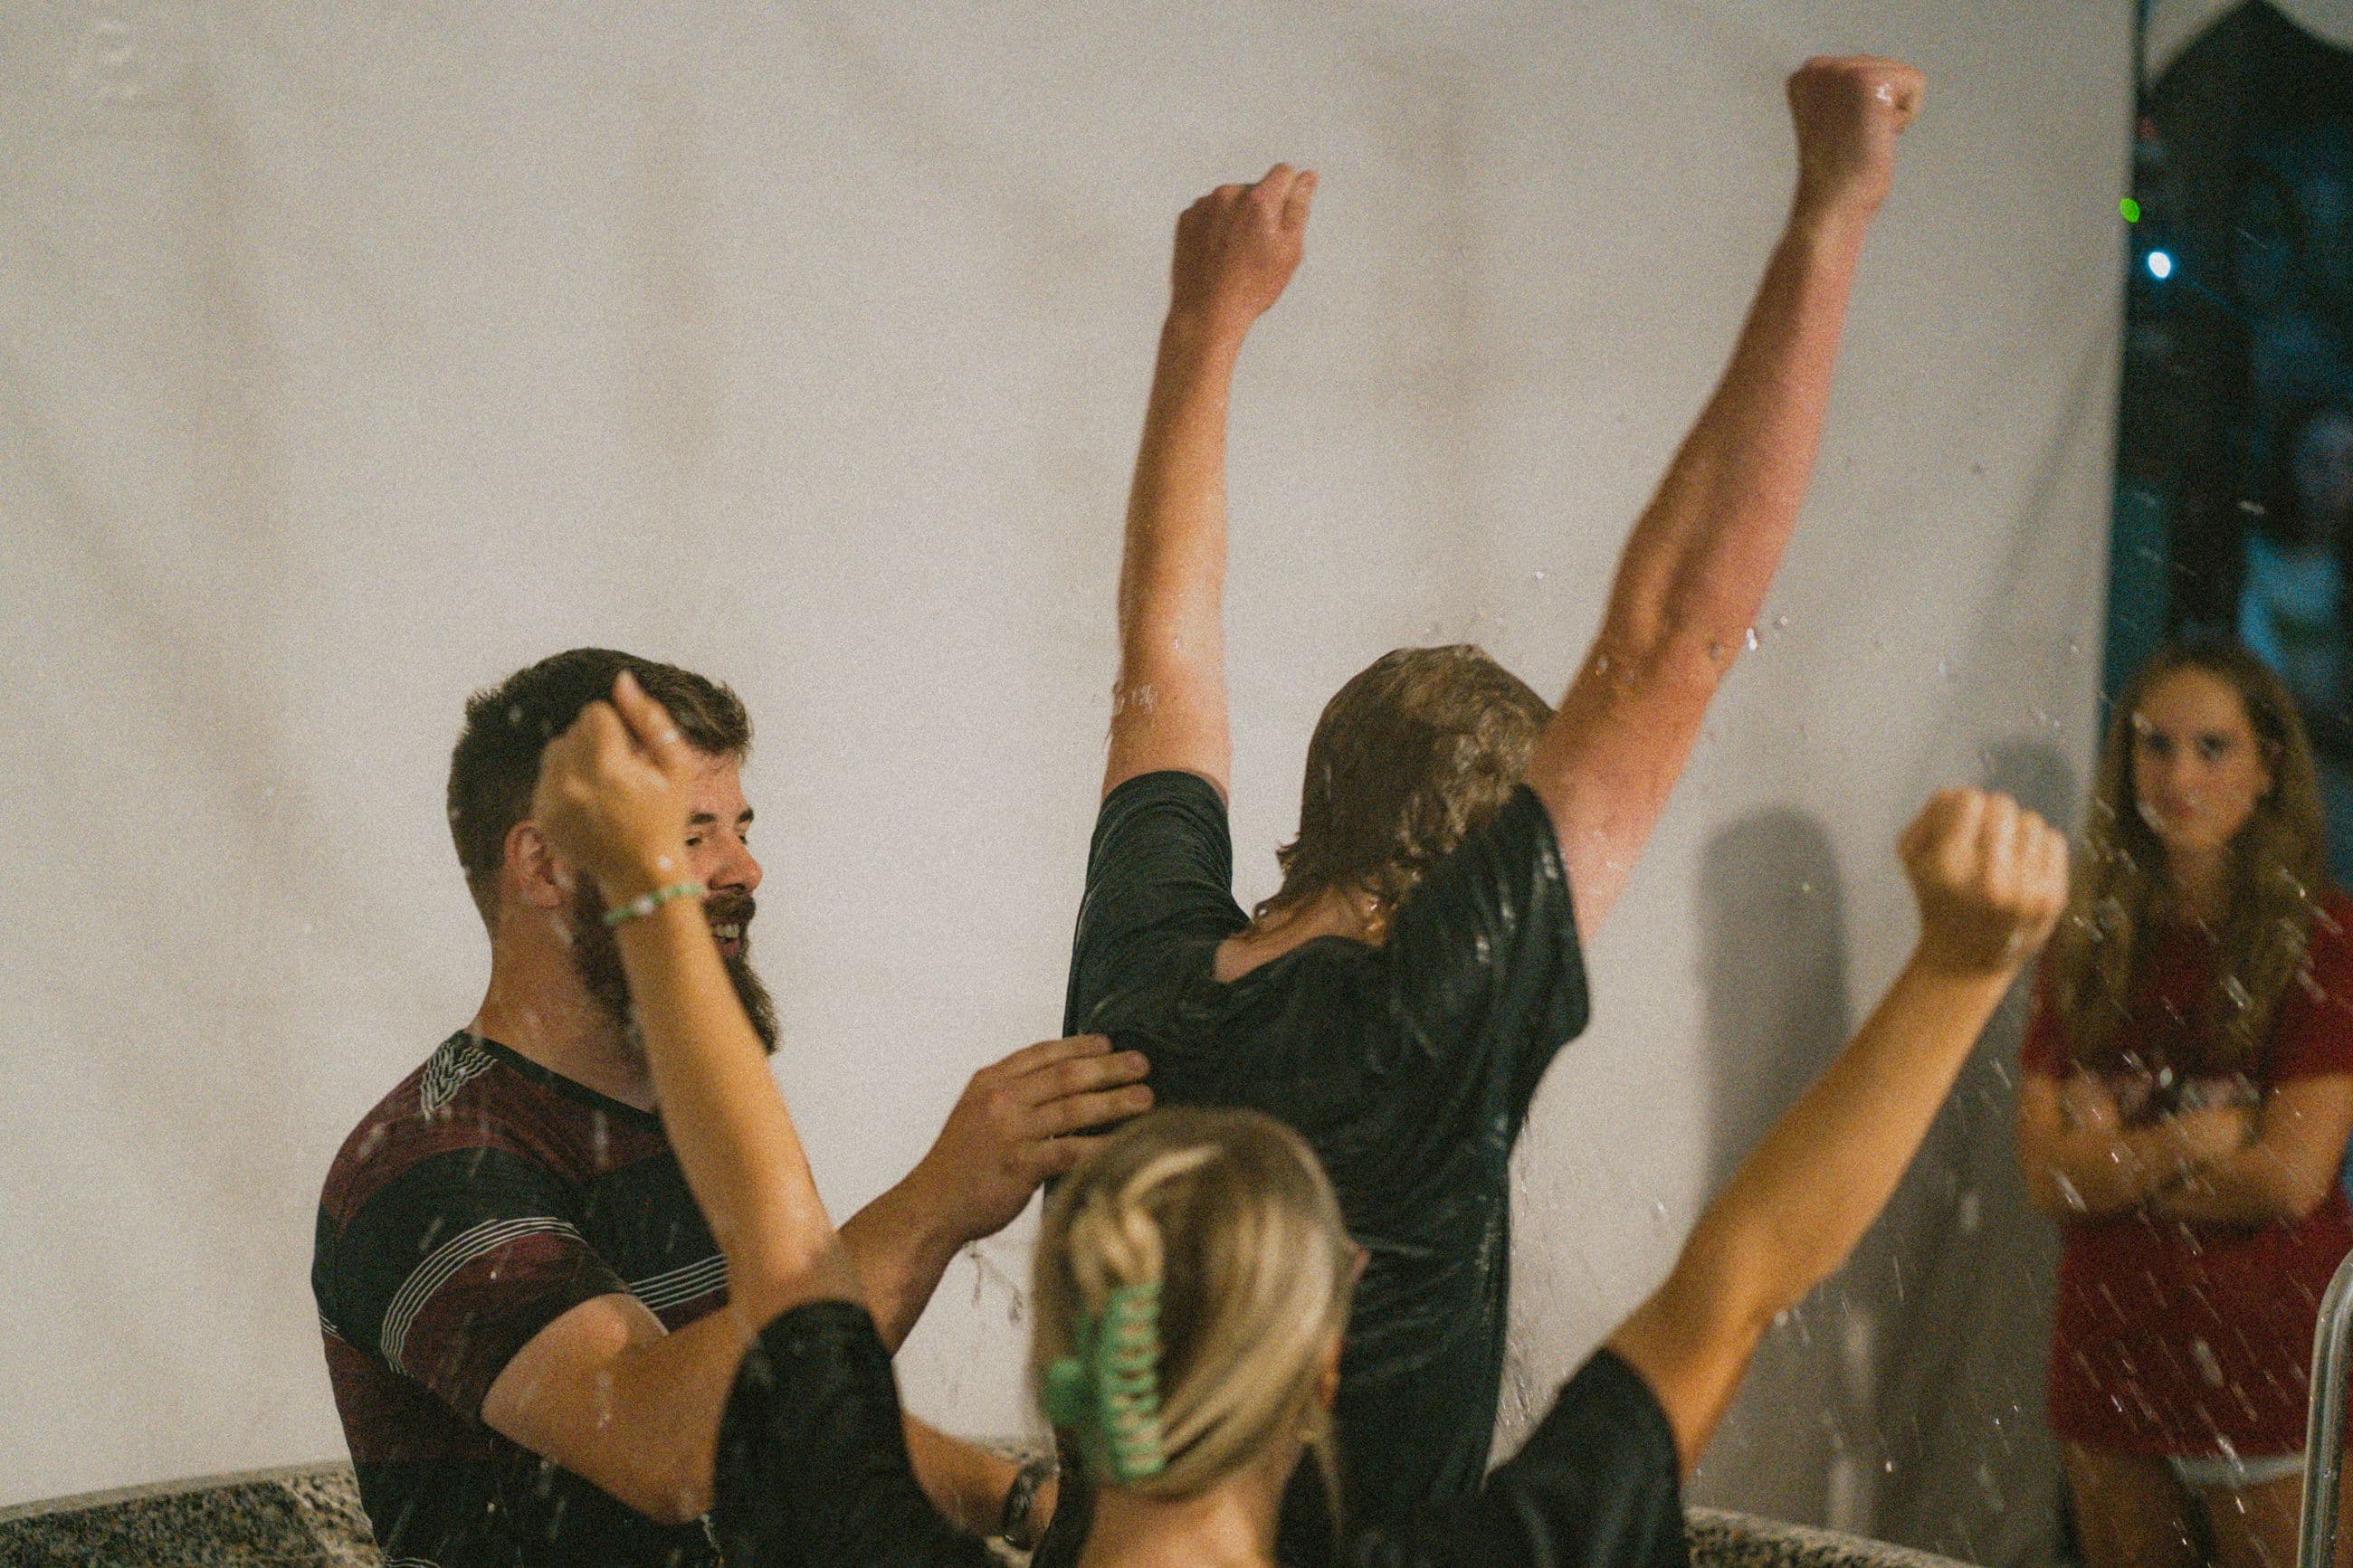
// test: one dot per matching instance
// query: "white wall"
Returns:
(353, 357)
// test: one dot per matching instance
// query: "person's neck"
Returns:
(539, 1010)
(1231, 1525)
(1334, 912)
(2197, 884)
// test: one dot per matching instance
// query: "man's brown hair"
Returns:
(495, 764)
(1424, 745)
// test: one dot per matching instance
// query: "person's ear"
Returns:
(531, 872)
(1327, 1373)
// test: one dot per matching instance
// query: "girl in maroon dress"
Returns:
(2187, 1096)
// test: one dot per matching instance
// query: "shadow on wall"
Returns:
(1903, 1399)
(1772, 915)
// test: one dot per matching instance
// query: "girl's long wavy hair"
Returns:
(2277, 868)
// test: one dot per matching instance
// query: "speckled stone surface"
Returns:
(304, 1516)
(1723, 1540)
(309, 1517)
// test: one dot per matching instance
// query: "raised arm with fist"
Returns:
(1991, 879)
(1237, 247)
(1849, 110)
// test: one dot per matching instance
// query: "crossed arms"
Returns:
(2221, 1164)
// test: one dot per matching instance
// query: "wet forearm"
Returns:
(1172, 574)
(735, 1142)
(900, 1250)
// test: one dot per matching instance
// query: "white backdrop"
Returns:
(357, 356)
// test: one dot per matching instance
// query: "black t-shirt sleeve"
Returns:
(813, 1465)
(1597, 1485)
(1160, 875)
(1483, 957)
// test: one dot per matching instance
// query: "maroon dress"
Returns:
(2196, 1340)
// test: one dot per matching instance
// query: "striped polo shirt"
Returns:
(480, 1201)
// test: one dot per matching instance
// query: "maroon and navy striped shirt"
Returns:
(481, 1200)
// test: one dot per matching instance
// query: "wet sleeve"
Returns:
(2314, 1038)
(1484, 969)
(454, 1264)
(1160, 871)
(1597, 1485)
(2045, 1049)
(813, 1465)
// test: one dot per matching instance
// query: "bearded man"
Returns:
(522, 1307)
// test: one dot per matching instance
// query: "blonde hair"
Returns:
(1228, 1215)
(2277, 872)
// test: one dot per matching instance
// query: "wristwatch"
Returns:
(1020, 1498)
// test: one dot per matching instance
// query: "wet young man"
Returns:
(1400, 997)
(519, 1298)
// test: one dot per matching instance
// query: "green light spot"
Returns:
(2130, 209)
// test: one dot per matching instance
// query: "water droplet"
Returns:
(1751, 639)
(1540, 573)
(1780, 623)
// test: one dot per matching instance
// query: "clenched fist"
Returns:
(1235, 249)
(611, 797)
(1849, 110)
(1991, 879)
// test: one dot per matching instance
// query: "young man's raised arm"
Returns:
(1696, 569)
(1236, 248)
(1990, 881)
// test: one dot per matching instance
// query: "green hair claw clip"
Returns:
(1108, 1389)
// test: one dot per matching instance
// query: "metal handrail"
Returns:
(2324, 1427)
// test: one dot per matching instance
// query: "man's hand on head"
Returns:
(1021, 1121)
(1237, 248)
(1849, 110)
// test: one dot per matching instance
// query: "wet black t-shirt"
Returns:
(813, 1469)
(1408, 1066)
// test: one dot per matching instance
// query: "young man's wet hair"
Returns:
(1420, 747)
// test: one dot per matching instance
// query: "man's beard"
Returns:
(596, 959)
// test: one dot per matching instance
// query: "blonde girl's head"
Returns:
(1192, 1284)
